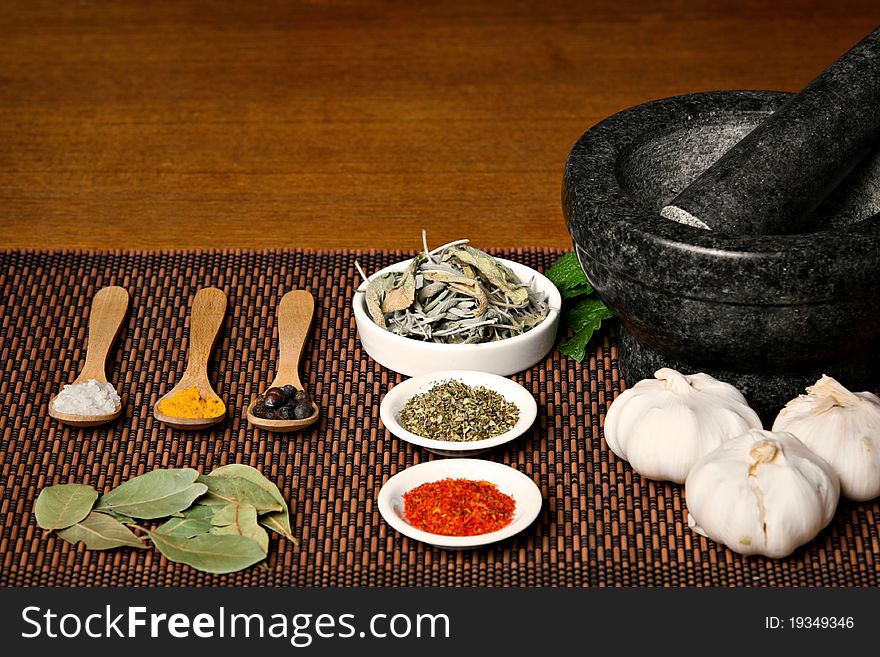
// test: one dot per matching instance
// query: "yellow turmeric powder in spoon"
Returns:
(189, 403)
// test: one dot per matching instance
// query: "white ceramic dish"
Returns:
(396, 398)
(509, 481)
(504, 357)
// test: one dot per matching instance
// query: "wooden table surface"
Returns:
(178, 124)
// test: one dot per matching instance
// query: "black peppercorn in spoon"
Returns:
(295, 312)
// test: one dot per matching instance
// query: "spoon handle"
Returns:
(295, 312)
(109, 306)
(206, 318)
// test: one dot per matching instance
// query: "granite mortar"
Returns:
(766, 313)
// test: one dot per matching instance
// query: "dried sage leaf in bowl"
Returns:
(455, 294)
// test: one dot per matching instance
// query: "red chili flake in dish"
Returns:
(458, 507)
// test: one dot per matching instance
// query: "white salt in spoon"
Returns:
(109, 307)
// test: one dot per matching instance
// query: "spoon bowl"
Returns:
(109, 307)
(206, 319)
(84, 421)
(295, 313)
(283, 426)
(189, 423)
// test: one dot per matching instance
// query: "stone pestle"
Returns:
(772, 180)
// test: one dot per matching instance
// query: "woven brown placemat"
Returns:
(601, 525)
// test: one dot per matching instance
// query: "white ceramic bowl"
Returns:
(509, 481)
(504, 357)
(396, 398)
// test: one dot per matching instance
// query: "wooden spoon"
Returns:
(206, 318)
(109, 306)
(295, 314)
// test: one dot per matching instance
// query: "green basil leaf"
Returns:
(574, 292)
(576, 347)
(101, 532)
(155, 494)
(585, 314)
(209, 552)
(584, 318)
(64, 505)
(567, 274)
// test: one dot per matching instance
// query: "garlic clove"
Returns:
(761, 493)
(661, 426)
(843, 428)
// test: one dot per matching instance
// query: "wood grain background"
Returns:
(351, 124)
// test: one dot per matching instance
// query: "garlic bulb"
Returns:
(843, 428)
(761, 493)
(663, 425)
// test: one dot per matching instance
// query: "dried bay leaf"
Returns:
(210, 552)
(64, 505)
(277, 521)
(251, 474)
(98, 531)
(184, 528)
(223, 490)
(198, 511)
(155, 494)
(240, 519)
(192, 522)
(125, 520)
(229, 514)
